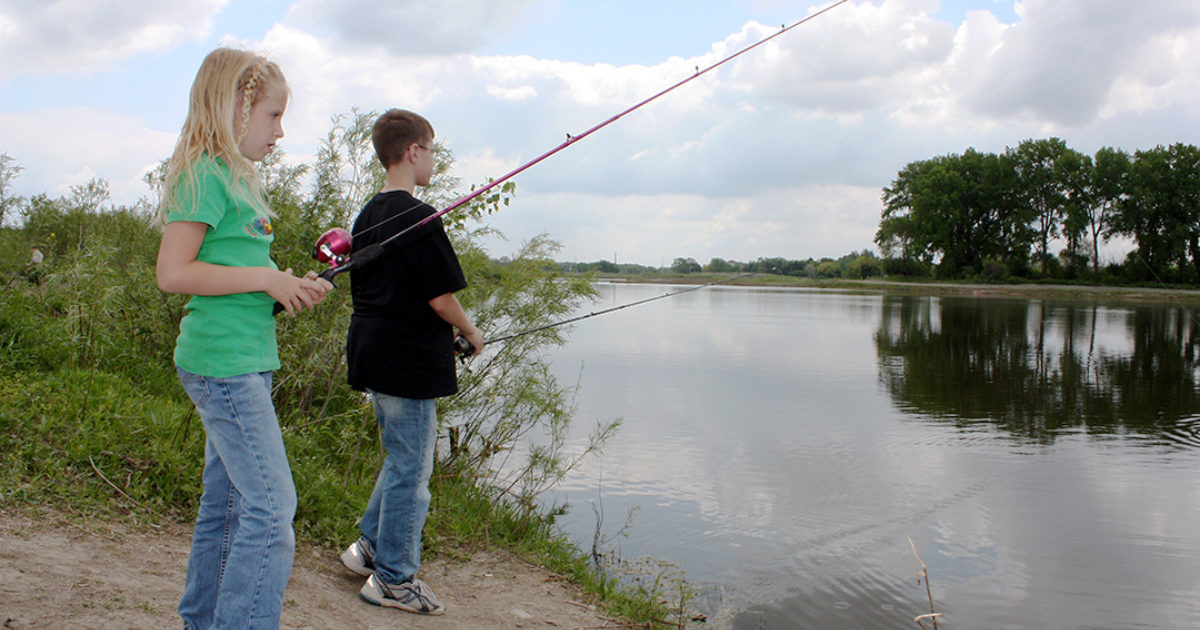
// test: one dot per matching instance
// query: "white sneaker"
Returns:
(359, 557)
(414, 596)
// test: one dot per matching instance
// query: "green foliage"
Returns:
(720, 265)
(993, 271)
(92, 415)
(829, 269)
(10, 204)
(685, 266)
(958, 211)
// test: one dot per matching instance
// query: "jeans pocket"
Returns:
(196, 386)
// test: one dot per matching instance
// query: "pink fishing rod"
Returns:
(373, 251)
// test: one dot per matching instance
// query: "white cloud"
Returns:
(73, 36)
(86, 143)
(412, 27)
(1060, 62)
(518, 93)
(798, 222)
(796, 137)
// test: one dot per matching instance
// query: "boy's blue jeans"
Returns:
(396, 513)
(243, 544)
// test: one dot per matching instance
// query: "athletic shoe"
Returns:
(414, 596)
(359, 557)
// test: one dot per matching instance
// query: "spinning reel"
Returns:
(333, 248)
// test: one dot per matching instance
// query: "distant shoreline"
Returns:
(1032, 290)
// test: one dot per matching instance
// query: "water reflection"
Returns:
(1036, 368)
(782, 446)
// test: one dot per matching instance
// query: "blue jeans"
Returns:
(396, 513)
(243, 544)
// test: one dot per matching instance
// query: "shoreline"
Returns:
(932, 288)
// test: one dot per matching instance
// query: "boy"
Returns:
(400, 350)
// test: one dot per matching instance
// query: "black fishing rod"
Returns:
(465, 349)
(343, 262)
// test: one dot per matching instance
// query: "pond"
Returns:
(782, 446)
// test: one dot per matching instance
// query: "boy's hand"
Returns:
(474, 336)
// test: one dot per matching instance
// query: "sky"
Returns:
(783, 152)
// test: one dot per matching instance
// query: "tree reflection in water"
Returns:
(1039, 367)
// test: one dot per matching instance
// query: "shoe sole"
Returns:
(393, 603)
(389, 603)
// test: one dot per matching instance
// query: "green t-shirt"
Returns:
(226, 335)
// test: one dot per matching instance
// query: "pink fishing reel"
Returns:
(333, 248)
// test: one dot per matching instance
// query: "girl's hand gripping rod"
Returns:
(333, 248)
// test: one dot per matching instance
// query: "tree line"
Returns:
(864, 264)
(994, 215)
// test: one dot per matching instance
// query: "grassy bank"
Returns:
(93, 444)
(94, 424)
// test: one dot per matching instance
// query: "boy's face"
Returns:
(424, 162)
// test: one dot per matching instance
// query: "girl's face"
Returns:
(265, 125)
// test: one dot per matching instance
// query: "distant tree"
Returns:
(1162, 210)
(1079, 175)
(864, 265)
(719, 265)
(10, 204)
(956, 208)
(685, 265)
(1041, 168)
(603, 266)
(828, 269)
(1096, 187)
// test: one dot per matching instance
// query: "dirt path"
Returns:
(60, 574)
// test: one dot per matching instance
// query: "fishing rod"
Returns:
(465, 349)
(339, 256)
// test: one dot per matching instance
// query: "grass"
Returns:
(94, 424)
(96, 445)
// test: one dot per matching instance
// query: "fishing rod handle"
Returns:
(463, 348)
(362, 257)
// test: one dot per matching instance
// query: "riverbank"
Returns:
(910, 287)
(60, 571)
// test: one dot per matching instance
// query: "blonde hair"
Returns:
(228, 84)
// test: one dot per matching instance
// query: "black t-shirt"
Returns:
(397, 344)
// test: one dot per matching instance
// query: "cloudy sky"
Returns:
(782, 152)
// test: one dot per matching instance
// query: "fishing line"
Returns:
(1173, 297)
(373, 251)
(464, 349)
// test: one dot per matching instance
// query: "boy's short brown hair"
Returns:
(395, 131)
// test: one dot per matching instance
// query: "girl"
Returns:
(216, 246)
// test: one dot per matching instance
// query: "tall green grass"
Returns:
(93, 421)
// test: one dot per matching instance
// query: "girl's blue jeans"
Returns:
(396, 512)
(243, 544)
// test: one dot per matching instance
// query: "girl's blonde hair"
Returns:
(226, 87)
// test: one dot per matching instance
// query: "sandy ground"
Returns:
(61, 574)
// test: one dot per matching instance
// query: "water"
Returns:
(782, 446)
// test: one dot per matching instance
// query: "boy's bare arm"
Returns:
(448, 308)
